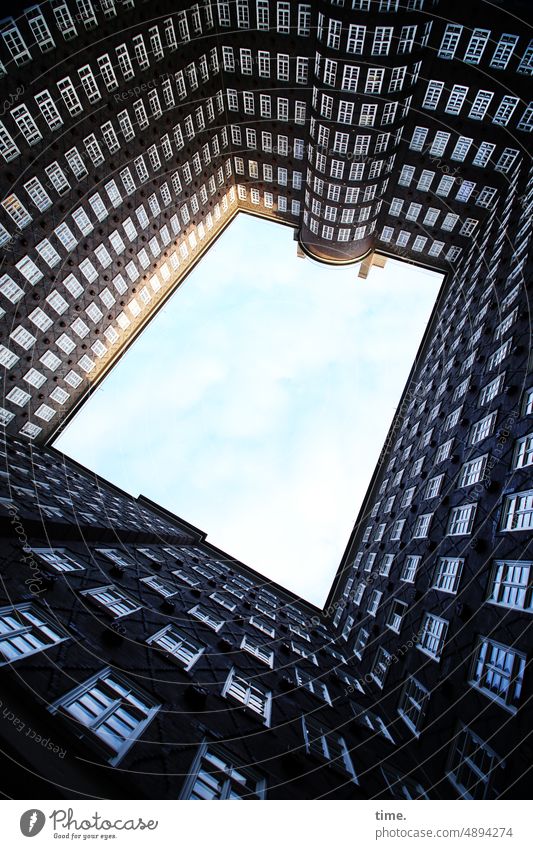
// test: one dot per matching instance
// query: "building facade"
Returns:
(132, 134)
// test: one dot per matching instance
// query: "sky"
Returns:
(256, 403)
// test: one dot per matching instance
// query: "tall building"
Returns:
(132, 135)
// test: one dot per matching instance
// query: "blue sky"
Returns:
(256, 403)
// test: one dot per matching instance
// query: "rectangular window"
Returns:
(382, 41)
(456, 99)
(523, 453)
(517, 514)
(511, 585)
(480, 105)
(433, 93)
(450, 40)
(410, 568)
(498, 671)
(413, 704)
(111, 709)
(483, 428)
(491, 390)
(472, 471)
(476, 46)
(178, 645)
(380, 666)
(314, 685)
(397, 611)
(461, 520)
(432, 635)
(283, 17)
(114, 600)
(503, 51)
(374, 601)
(448, 574)
(24, 630)
(472, 765)
(217, 774)
(257, 700)
(327, 746)
(421, 528)
(204, 615)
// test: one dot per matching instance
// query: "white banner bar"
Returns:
(268, 825)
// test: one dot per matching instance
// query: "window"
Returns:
(254, 648)
(380, 666)
(410, 568)
(491, 390)
(177, 645)
(432, 635)
(472, 765)
(255, 699)
(263, 626)
(476, 46)
(59, 559)
(373, 602)
(315, 686)
(304, 652)
(523, 453)
(371, 720)
(17, 211)
(327, 746)
(450, 40)
(115, 601)
(162, 587)
(402, 787)
(456, 100)
(205, 616)
(433, 93)
(421, 528)
(215, 774)
(517, 514)
(448, 574)
(283, 17)
(386, 564)
(473, 471)
(396, 613)
(503, 51)
(109, 708)
(510, 584)
(382, 41)
(483, 428)
(498, 671)
(413, 704)
(223, 601)
(443, 451)
(433, 487)
(397, 529)
(461, 520)
(480, 105)
(24, 630)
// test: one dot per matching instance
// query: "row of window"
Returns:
(379, 41)
(25, 631)
(265, 602)
(479, 104)
(478, 41)
(516, 515)
(463, 147)
(510, 582)
(116, 713)
(65, 20)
